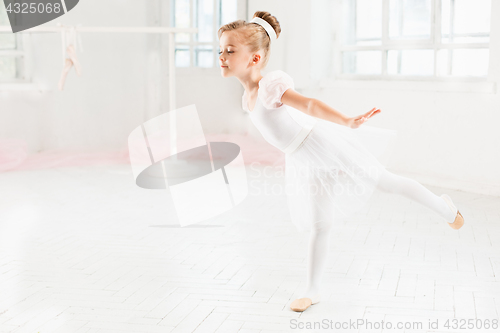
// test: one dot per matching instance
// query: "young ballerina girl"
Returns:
(331, 163)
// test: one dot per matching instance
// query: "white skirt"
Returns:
(334, 172)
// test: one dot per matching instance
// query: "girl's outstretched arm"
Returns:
(318, 109)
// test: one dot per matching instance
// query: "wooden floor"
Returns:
(84, 250)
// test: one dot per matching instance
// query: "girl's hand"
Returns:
(355, 122)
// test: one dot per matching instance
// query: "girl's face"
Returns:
(235, 58)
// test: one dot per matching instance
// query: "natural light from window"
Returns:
(201, 49)
(415, 38)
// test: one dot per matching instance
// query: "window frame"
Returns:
(433, 43)
(22, 70)
(241, 10)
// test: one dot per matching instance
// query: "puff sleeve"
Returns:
(272, 86)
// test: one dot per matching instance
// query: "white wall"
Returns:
(124, 83)
(448, 133)
(96, 110)
(447, 138)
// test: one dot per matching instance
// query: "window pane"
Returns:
(182, 56)
(204, 56)
(362, 62)
(7, 41)
(465, 21)
(410, 19)
(362, 22)
(463, 62)
(4, 20)
(410, 62)
(204, 13)
(228, 11)
(471, 62)
(182, 19)
(7, 68)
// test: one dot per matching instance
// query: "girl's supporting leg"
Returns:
(319, 238)
(318, 247)
(410, 188)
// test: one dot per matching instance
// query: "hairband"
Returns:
(269, 29)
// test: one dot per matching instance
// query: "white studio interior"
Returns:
(146, 152)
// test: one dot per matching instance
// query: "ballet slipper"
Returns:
(301, 304)
(459, 219)
(70, 50)
(67, 66)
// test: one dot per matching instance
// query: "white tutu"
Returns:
(334, 172)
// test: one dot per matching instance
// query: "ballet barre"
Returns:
(151, 30)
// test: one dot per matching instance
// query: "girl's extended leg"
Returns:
(410, 188)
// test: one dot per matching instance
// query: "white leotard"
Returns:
(281, 125)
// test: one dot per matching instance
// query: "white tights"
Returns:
(319, 237)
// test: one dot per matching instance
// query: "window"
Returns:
(435, 39)
(11, 53)
(201, 49)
